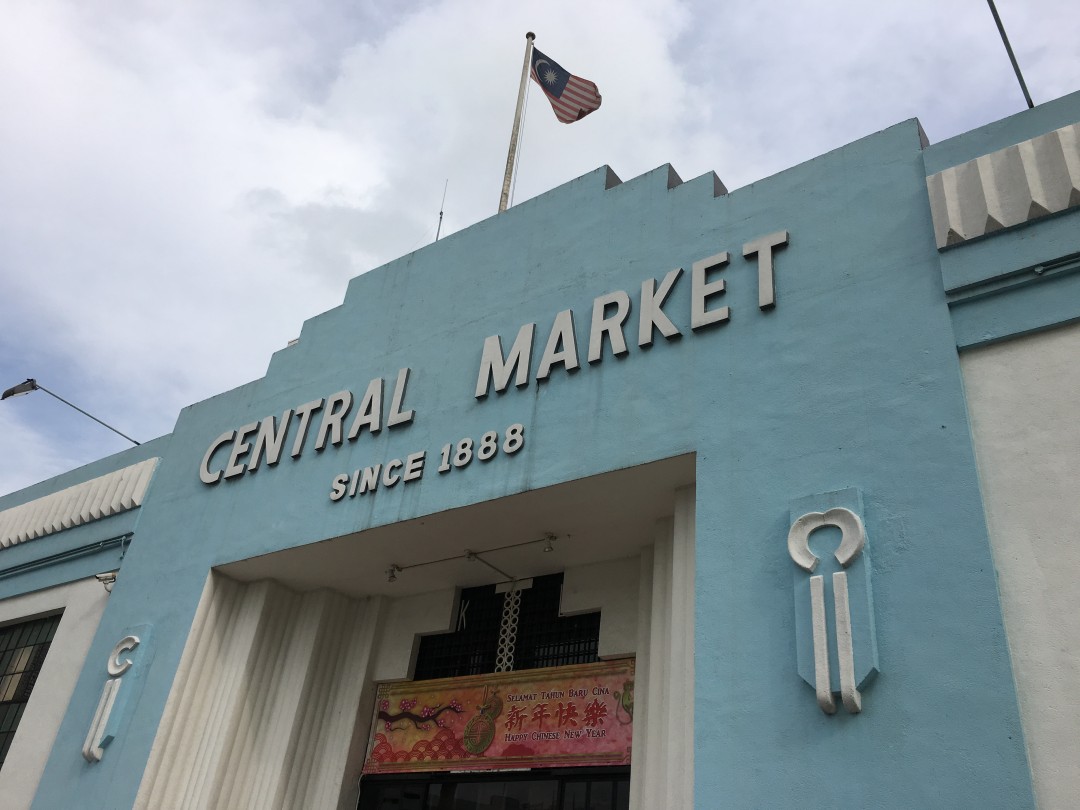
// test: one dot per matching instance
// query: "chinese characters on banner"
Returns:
(566, 716)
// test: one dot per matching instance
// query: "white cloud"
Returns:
(185, 183)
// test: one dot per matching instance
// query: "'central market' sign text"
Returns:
(382, 406)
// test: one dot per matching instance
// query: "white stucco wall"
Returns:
(1024, 401)
(404, 621)
(612, 588)
(83, 603)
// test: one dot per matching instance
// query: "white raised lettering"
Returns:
(269, 441)
(370, 413)
(650, 314)
(763, 247)
(337, 406)
(561, 346)
(205, 475)
(398, 416)
(389, 476)
(337, 492)
(369, 479)
(494, 369)
(414, 466)
(611, 325)
(303, 413)
(240, 448)
(701, 290)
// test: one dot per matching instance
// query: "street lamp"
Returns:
(32, 385)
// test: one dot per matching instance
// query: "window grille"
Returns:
(544, 639)
(22, 652)
(471, 647)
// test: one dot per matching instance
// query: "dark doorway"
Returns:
(570, 789)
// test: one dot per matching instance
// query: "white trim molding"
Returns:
(1008, 187)
(82, 602)
(100, 497)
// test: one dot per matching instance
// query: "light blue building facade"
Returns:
(780, 438)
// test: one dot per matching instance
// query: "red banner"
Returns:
(539, 718)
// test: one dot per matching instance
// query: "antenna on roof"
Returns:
(441, 206)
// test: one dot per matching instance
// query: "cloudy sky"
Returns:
(183, 183)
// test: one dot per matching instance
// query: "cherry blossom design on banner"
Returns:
(566, 716)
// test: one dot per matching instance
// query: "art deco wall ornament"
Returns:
(854, 658)
(110, 709)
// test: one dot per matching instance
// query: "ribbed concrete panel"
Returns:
(91, 500)
(654, 775)
(262, 710)
(640, 774)
(663, 754)
(1009, 187)
(680, 717)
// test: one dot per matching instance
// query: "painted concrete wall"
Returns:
(82, 603)
(851, 380)
(1023, 395)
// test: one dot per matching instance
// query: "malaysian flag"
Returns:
(572, 97)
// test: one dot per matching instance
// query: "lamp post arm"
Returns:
(41, 387)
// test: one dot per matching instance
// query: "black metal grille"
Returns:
(470, 649)
(544, 639)
(22, 652)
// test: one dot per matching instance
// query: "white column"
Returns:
(642, 776)
(1022, 397)
(264, 705)
(662, 773)
(83, 602)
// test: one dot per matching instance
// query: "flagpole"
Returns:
(505, 198)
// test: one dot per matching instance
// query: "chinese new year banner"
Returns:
(540, 718)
